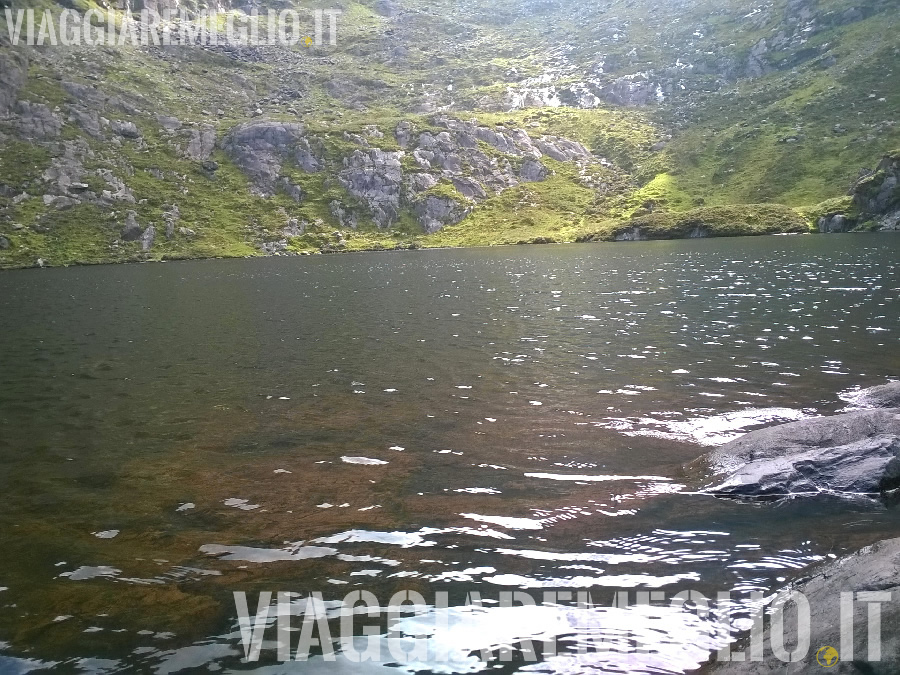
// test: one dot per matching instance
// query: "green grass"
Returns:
(735, 149)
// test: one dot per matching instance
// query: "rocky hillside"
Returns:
(447, 122)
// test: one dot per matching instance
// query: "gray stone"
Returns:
(873, 568)
(60, 201)
(698, 232)
(186, 232)
(756, 63)
(386, 8)
(632, 234)
(852, 454)
(132, 230)
(85, 94)
(469, 188)
(345, 217)
(433, 213)
(171, 218)
(169, 123)
(876, 196)
(834, 223)
(532, 171)
(632, 90)
(306, 157)
(375, 176)
(147, 238)
(294, 228)
(403, 133)
(290, 189)
(260, 148)
(882, 396)
(88, 120)
(35, 120)
(126, 129)
(274, 247)
(4, 243)
(13, 73)
(119, 192)
(202, 143)
(420, 182)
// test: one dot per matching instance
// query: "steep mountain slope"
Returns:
(433, 123)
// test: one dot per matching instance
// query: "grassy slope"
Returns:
(728, 144)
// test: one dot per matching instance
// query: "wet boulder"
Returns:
(851, 455)
(882, 396)
(872, 570)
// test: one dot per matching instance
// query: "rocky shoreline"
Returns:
(403, 246)
(854, 457)
(874, 569)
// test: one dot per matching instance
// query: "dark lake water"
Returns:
(469, 420)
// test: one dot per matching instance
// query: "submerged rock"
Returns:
(853, 454)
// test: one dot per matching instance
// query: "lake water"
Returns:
(456, 420)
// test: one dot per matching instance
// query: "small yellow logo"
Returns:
(307, 41)
(827, 657)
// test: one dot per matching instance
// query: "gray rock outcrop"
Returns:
(874, 568)
(202, 143)
(835, 223)
(37, 121)
(532, 171)
(374, 176)
(632, 234)
(132, 230)
(433, 213)
(854, 454)
(882, 396)
(261, 148)
(477, 160)
(13, 73)
(876, 197)
(126, 129)
(169, 123)
(171, 218)
(148, 237)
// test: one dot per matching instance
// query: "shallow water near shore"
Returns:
(458, 420)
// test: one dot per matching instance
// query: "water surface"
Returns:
(466, 420)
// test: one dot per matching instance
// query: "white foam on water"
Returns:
(266, 555)
(242, 504)
(711, 430)
(368, 461)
